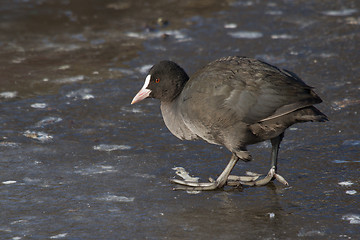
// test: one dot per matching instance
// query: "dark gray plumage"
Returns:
(233, 101)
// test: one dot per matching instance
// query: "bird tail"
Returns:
(311, 114)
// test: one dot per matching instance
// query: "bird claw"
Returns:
(195, 186)
(252, 179)
(281, 179)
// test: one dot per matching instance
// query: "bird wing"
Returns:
(243, 89)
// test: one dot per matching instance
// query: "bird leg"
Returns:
(213, 184)
(253, 179)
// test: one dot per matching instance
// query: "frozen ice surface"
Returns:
(282, 36)
(178, 35)
(61, 235)
(346, 183)
(338, 105)
(48, 121)
(9, 144)
(100, 169)
(8, 94)
(246, 34)
(144, 69)
(274, 12)
(39, 105)
(115, 198)
(344, 161)
(70, 79)
(353, 20)
(83, 93)
(352, 218)
(340, 13)
(351, 192)
(122, 70)
(9, 182)
(144, 175)
(64, 67)
(230, 25)
(351, 142)
(111, 147)
(41, 136)
(310, 233)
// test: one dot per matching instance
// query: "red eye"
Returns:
(157, 80)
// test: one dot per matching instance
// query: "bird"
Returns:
(234, 102)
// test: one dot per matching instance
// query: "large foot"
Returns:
(254, 179)
(191, 183)
(195, 186)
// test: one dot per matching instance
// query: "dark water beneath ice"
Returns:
(77, 161)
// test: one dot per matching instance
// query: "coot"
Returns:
(234, 102)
